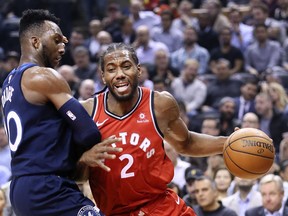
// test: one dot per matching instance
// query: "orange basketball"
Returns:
(248, 153)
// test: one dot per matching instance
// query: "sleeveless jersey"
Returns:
(142, 170)
(39, 139)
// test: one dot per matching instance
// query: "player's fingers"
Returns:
(102, 149)
(236, 128)
(105, 155)
(110, 140)
(113, 149)
(103, 166)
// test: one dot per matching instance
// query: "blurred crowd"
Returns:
(225, 61)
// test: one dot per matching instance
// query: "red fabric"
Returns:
(141, 172)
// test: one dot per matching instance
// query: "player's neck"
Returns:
(121, 108)
(30, 59)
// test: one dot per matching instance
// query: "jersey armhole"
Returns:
(95, 106)
(152, 110)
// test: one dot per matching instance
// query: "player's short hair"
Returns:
(33, 19)
(118, 46)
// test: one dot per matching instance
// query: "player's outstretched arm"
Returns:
(96, 156)
(176, 133)
(42, 85)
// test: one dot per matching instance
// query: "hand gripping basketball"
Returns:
(248, 153)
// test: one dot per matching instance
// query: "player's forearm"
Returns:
(81, 173)
(202, 145)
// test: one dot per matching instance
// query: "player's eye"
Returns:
(127, 67)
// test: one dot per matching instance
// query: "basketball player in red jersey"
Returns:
(137, 182)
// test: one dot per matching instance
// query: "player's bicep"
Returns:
(47, 85)
(177, 134)
(173, 127)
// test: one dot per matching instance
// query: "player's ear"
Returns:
(139, 69)
(102, 77)
(35, 42)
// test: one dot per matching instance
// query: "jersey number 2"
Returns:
(124, 171)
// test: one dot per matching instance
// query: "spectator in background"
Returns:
(279, 97)
(5, 156)
(10, 61)
(76, 39)
(222, 178)
(283, 152)
(276, 30)
(227, 51)
(242, 34)
(86, 89)
(92, 42)
(175, 187)
(222, 86)
(104, 38)
(185, 86)
(144, 77)
(272, 192)
(281, 13)
(2, 201)
(140, 17)
(246, 101)
(207, 37)
(217, 19)
(228, 122)
(185, 116)
(9, 37)
(210, 125)
(166, 34)
(73, 81)
(190, 50)
(284, 170)
(159, 84)
(84, 68)
(5, 175)
(207, 198)
(146, 47)
(245, 197)
(110, 22)
(191, 174)
(250, 120)
(186, 17)
(126, 34)
(214, 163)
(8, 210)
(263, 53)
(272, 122)
(179, 165)
(285, 55)
(162, 67)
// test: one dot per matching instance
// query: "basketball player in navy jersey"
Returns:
(48, 129)
(137, 184)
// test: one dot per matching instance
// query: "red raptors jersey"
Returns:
(142, 170)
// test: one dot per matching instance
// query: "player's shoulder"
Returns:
(43, 79)
(42, 76)
(165, 105)
(164, 98)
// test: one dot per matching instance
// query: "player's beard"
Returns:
(45, 57)
(124, 98)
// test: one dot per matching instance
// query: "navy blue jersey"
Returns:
(39, 139)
